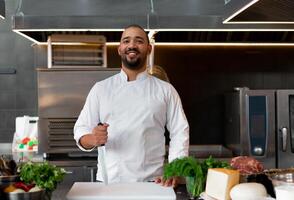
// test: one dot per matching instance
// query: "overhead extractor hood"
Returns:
(176, 20)
(2, 9)
(259, 12)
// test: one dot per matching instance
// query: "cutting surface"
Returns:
(120, 191)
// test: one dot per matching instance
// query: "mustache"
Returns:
(132, 50)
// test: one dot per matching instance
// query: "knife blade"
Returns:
(101, 159)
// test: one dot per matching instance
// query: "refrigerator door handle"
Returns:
(284, 132)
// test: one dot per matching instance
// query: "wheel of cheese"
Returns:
(248, 191)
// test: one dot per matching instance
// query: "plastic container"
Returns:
(284, 192)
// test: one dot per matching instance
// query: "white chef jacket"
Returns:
(137, 112)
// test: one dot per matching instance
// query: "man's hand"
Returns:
(96, 138)
(174, 181)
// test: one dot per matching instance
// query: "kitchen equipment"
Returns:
(76, 51)
(120, 191)
(283, 183)
(259, 123)
(37, 195)
(285, 128)
(250, 124)
(282, 179)
(61, 96)
(5, 181)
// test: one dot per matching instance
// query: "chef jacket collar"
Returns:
(141, 76)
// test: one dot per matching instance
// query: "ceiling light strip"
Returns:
(157, 30)
(203, 44)
(211, 44)
(239, 11)
(260, 22)
(24, 35)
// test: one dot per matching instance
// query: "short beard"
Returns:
(133, 65)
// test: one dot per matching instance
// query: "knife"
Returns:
(101, 159)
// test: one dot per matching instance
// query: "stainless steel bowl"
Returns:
(282, 179)
(38, 195)
(6, 181)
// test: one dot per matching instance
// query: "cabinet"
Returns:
(74, 174)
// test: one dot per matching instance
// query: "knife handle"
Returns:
(101, 124)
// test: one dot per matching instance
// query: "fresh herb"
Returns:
(194, 169)
(44, 175)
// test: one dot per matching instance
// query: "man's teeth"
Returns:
(132, 53)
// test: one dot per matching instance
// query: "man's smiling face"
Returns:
(134, 48)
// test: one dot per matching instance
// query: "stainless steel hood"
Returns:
(177, 20)
(259, 11)
(2, 9)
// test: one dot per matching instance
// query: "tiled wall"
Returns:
(17, 91)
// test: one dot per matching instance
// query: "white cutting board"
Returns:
(120, 191)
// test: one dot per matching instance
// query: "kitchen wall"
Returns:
(18, 94)
(200, 74)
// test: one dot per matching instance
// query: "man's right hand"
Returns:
(96, 138)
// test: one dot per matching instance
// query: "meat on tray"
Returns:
(246, 165)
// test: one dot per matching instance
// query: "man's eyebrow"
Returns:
(137, 37)
(124, 38)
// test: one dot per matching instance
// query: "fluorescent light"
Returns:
(209, 44)
(239, 11)
(24, 35)
(204, 44)
(66, 29)
(222, 29)
(260, 22)
(221, 44)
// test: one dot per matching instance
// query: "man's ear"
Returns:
(149, 48)
(118, 50)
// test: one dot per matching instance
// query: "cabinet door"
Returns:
(74, 174)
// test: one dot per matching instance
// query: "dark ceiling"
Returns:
(177, 20)
(268, 11)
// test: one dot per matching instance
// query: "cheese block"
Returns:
(220, 181)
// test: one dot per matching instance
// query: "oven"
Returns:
(259, 123)
(61, 96)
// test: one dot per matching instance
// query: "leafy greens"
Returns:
(193, 168)
(44, 175)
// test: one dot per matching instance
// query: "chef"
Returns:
(128, 112)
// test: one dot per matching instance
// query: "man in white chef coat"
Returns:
(133, 109)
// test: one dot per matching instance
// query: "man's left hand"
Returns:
(174, 181)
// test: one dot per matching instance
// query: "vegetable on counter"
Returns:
(44, 175)
(191, 167)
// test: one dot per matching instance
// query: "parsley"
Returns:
(44, 175)
(193, 168)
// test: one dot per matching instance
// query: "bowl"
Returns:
(6, 181)
(37, 195)
(282, 179)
